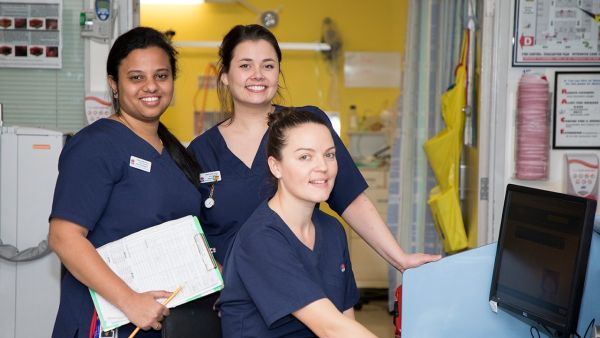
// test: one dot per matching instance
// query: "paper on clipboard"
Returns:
(162, 257)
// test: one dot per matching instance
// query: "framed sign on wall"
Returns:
(556, 33)
(576, 110)
(30, 33)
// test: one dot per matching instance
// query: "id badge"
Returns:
(210, 177)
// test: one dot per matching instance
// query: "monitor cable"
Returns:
(531, 328)
(591, 325)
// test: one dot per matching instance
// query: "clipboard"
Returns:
(162, 257)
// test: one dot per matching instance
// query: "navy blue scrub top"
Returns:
(241, 189)
(98, 189)
(269, 273)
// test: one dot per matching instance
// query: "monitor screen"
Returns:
(541, 258)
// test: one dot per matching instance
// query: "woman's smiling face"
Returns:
(253, 76)
(308, 165)
(145, 86)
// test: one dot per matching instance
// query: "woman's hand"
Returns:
(145, 311)
(410, 261)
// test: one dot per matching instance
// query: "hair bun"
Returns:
(279, 114)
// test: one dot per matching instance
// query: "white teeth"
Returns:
(256, 87)
(150, 99)
(318, 181)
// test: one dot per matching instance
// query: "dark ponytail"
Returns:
(184, 160)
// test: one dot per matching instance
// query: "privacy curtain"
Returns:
(434, 37)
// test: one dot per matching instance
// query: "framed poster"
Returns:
(30, 33)
(576, 110)
(556, 33)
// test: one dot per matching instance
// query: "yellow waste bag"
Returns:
(447, 218)
(443, 153)
(454, 100)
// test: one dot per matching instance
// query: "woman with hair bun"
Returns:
(288, 272)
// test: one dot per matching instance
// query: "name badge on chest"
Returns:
(140, 163)
(210, 177)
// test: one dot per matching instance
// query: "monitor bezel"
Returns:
(576, 292)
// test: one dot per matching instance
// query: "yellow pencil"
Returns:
(173, 294)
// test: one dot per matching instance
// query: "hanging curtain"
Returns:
(434, 36)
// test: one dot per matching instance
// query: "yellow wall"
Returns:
(364, 26)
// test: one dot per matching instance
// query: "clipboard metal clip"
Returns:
(206, 252)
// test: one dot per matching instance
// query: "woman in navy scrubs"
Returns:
(288, 272)
(232, 155)
(117, 176)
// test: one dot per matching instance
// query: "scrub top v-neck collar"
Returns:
(315, 250)
(155, 153)
(258, 163)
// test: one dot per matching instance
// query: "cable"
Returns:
(592, 322)
(531, 328)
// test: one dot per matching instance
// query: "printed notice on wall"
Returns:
(557, 32)
(30, 33)
(577, 110)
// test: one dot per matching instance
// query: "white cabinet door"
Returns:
(370, 270)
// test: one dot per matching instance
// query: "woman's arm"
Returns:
(80, 257)
(324, 319)
(349, 313)
(363, 217)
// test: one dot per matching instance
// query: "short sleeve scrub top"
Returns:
(242, 189)
(269, 274)
(113, 183)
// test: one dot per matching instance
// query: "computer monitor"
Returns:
(541, 257)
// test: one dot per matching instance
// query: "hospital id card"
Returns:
(211, 176)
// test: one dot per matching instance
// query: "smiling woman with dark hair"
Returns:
(117, 176)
